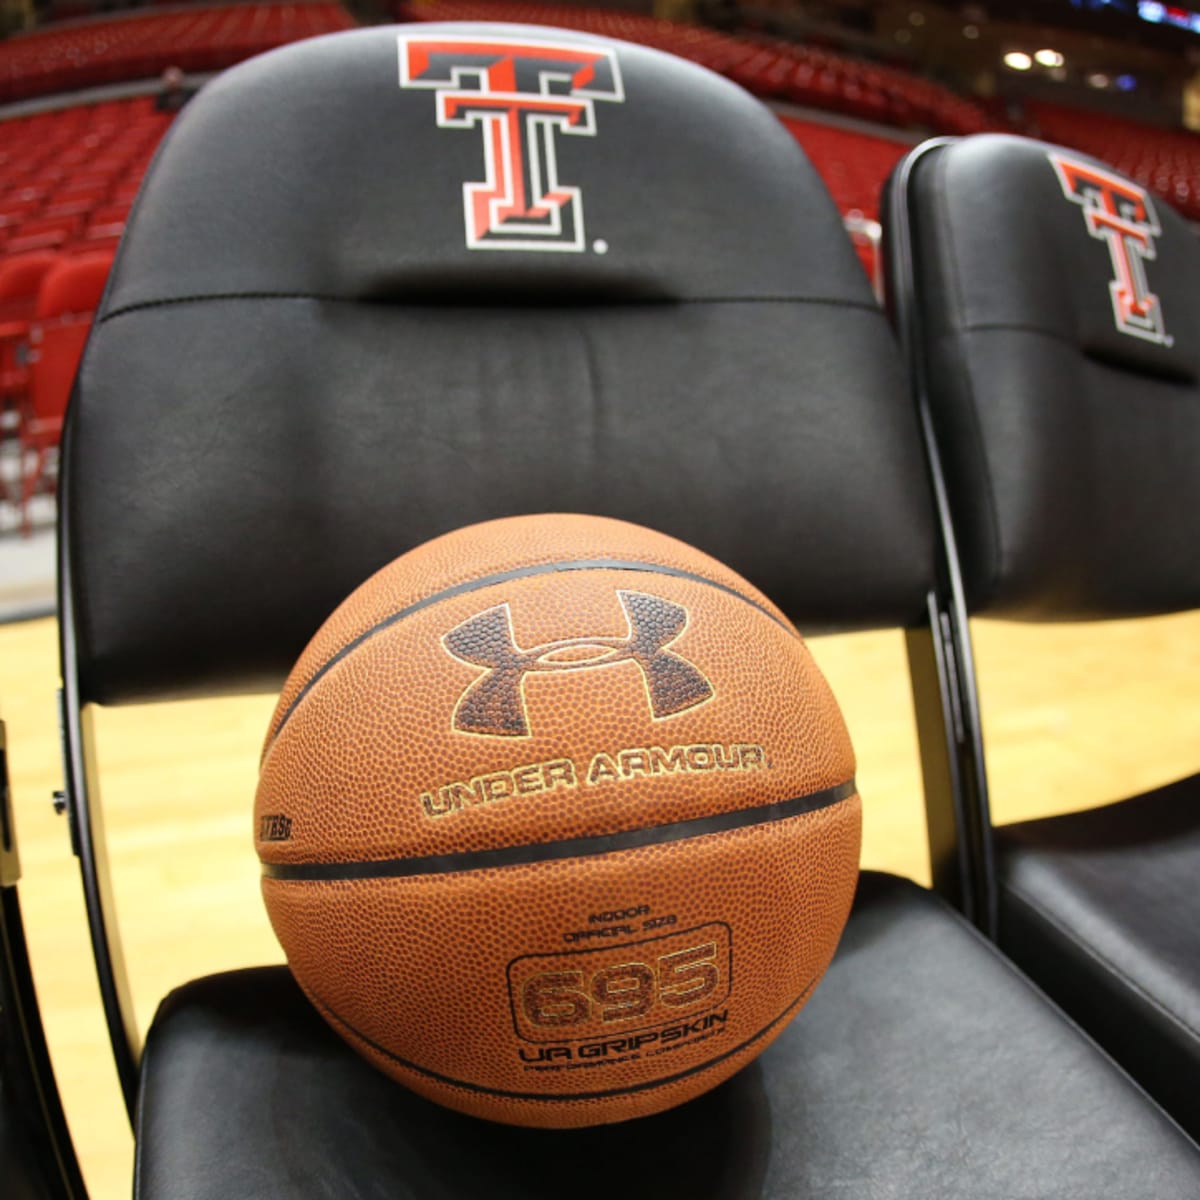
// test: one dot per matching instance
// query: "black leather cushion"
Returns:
(1070, 447)
(300, 370)
(24, 1178)
(1103, 909)
(924, 1066)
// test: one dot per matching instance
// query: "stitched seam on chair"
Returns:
(982, 472)
(828, 301)
(1081, 352)
(1103, 960)
(1018, 327)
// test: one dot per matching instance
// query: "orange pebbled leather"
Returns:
(565, 847)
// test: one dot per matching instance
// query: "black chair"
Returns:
(37, 1158)
(323, 343)
(1052, 312)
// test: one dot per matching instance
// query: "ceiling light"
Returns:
(1097, 80)
(1049, 58)
(971, 32)
(1018, 60)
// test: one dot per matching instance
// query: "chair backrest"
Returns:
(73, 286)
(68, 297)
(21, 276)
(1055, 309)
(386, 283)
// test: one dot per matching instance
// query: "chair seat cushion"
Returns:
(1102, 908)
(924, 1065)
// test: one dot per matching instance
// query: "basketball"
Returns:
(558, 821)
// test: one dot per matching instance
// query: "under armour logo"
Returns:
(494, 704)
(520, 94)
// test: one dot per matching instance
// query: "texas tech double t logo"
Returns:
(1122, 215)
(521, 95)
(494, 703)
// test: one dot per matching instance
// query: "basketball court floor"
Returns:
(1073, 717)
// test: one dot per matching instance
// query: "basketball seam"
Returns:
(474, 585)
(561, 850)
(330, 1014)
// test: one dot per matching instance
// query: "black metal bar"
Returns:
(87, 836)
(966, 814)
(37, 1157)
(931, 677)
(10, 860)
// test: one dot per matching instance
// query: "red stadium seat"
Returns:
(19, 204)
(106, 221)
(44, 233)
(85, 181)
(70, 293)
(75, 204)
(853, 165)
(20, 278)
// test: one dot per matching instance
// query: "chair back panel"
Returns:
(319, 347)
(1059, 307)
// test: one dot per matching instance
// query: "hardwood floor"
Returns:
(1073, 717)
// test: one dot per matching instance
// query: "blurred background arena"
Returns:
(88, 88)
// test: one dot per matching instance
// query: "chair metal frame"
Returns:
(971, 833)
(29, 1099)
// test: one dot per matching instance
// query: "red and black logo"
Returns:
(521, 94)
(1121, 215)
(494, 704)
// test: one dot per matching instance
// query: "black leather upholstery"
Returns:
(296, 276)
(1101, 908)
(1070, 447)
(924, 1066)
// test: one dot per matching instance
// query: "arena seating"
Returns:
(1167, 161)
(69, 179)
(20, 278)
(853, 165)
(71, 175)
(806, 75)
(69, 294)
(65, 57)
